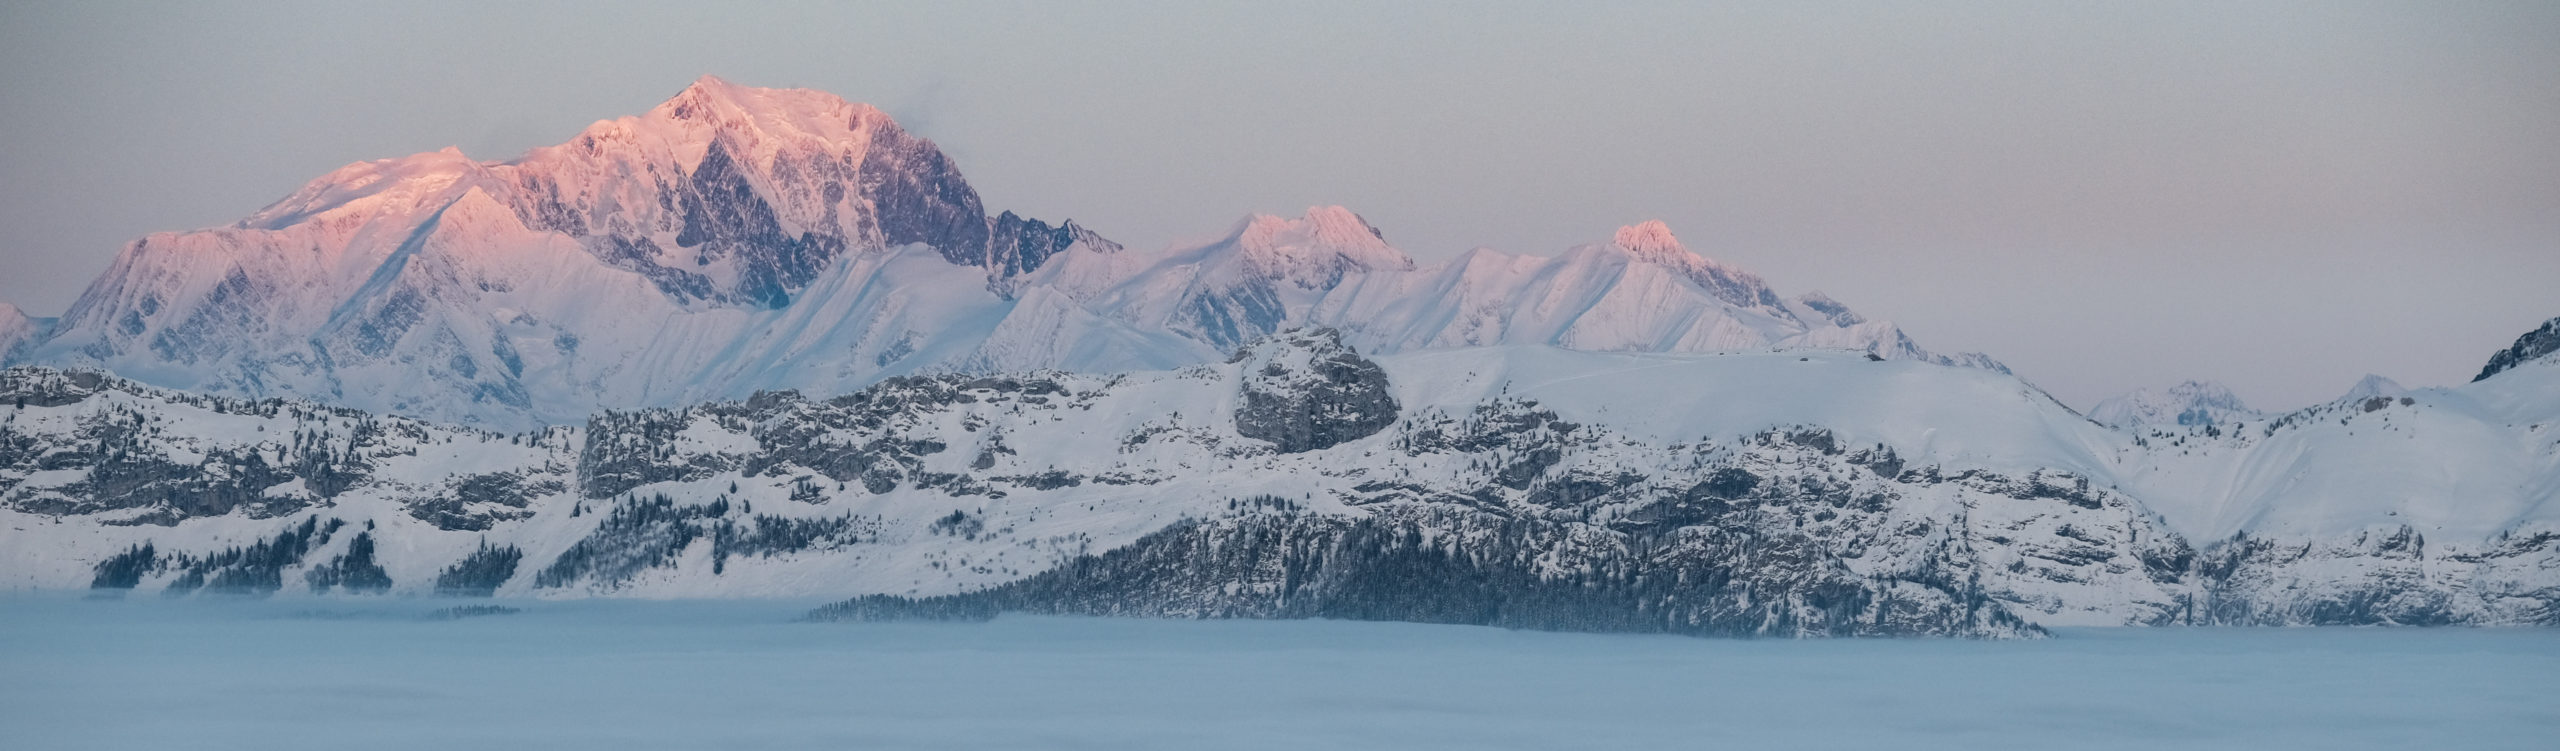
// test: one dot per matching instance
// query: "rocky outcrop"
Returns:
(1017, 245)
(1306, 390)
(2534, 344)
(128, 454)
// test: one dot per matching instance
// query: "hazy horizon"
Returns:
(2279, 197)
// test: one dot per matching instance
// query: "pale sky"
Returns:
(2280, 196)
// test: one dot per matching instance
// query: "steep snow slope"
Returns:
(2189, 403)
(1528, 485)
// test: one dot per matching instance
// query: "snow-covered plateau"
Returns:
(765, 343)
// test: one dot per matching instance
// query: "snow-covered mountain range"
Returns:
(737, 239)
(766, 343)
(1751, 493)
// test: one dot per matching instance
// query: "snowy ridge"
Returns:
(2536, 344)
(736, 239)
(1642, 292)
(2190, 403)
(17, 331)
(1855, 496)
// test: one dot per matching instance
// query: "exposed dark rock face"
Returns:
(2526, 599)
(123, 466)
(2534, 344)
(901, 190)
(46, 387)
(480, 502)
(725, 217)
(1306, 390)
(625, 450)
(2254, 581)
(1019, 244)
(919, 197)
(862, 439)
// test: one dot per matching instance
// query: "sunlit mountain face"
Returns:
(737, 239)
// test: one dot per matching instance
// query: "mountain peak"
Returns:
(1331, 237)
(1652, 242)
(708, 83)
(2188, 403)
(724, 107)
(1651, 239)
(16, 330)
(1332, 226)
(2373, 386)
(2536, 343)
(711, 88)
